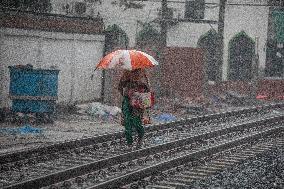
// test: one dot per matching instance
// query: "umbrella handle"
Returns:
(92, 76)
(147, 80)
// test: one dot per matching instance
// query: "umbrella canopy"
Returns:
(127, 59)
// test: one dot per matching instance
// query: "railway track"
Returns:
(151, 152)
(224, 117)
(184, 176)
(162, 162)
(103, 166)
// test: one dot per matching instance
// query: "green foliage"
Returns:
(148, 33)
(208, 39)
(114, 28)
(27, 5)
(127, 4)
(116, 36)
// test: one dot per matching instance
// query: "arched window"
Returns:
(241, 53)
(208, 42)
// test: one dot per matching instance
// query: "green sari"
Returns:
(131, 121)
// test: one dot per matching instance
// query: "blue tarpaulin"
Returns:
(25, 129)
(165, 117)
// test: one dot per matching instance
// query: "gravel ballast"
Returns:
(263, 171)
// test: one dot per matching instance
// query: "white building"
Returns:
(65, 47)
(248, 25)
(241, 17)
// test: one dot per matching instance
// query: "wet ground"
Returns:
(76, 124)
(263, 171)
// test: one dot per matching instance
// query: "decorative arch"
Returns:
(241, 53)
(209, 43)
(115, 37)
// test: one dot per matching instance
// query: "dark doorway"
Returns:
(208, 42)
(241, 53)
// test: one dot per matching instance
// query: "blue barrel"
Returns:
(33, 90)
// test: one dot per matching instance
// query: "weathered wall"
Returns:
(184, 34)
(74, 54)
(187, 34)
(114, 12)
(251, 19)
(182, 72)
(273, 88)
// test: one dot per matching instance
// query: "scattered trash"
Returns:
(261, 97)
(236, 98)
(101, 110)
(276, 112)
(280, 98)
(158, 140)
(82, 108)
(215, 99)
(165, 117)
(26, 129)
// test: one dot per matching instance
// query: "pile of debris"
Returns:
(165, 108)
(99, 110)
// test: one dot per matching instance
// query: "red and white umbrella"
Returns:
(127, 59)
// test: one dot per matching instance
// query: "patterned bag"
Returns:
(146, 118)
(142, 100)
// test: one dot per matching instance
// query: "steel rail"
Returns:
(67, 145)
(184, 176)
(80, 156)
(101, 164)
(165, 165)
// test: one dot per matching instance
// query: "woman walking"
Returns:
(133, 105)
(131, 82)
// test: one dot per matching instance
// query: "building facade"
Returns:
(71, 45)
(248, 26)
(251, 33)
